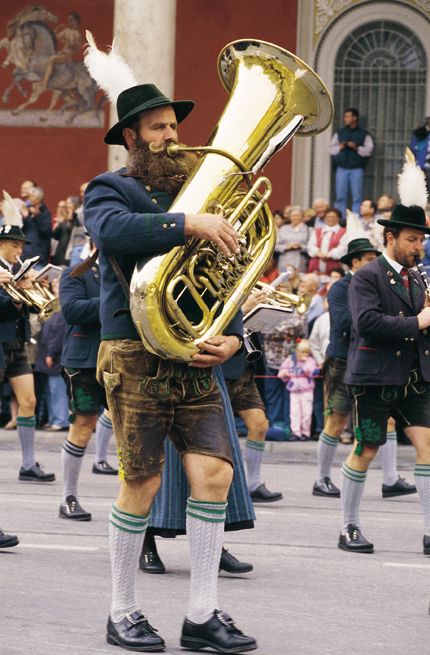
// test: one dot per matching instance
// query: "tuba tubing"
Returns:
(191, 293)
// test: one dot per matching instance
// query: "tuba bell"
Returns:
(191, 293)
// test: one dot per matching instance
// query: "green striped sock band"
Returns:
(356, 476)
(206, 511)
(257, 445)
(392, 436)
(422, 470)
(27, 421)
(128, 522)
(330, 441)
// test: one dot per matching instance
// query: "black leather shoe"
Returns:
(72, 510)
(354, 541)
(399, 488)
(231, 564)
(35, 474)
(8, 540)
(134, 632)
(150, 561)
(426, 545)
(104, 468)
(219, 633)
(325, 488)
(262, 495)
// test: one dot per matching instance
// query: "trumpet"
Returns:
(283, 299)
(39, 298)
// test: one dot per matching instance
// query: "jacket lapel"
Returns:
(395, 282)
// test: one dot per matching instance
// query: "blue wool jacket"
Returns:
(80, 306)
(340, 318)
(130, 221)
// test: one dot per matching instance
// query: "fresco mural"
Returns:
(48, 83)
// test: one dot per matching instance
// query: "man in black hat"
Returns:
(388, 366)
(126, 214)
(14, 361)
(339, 404)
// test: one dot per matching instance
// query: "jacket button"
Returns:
(401, 313)
(154, 200)
(398, 353)
(165, 226)
(427, 353)
(172, 224)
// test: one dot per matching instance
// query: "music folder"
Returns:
(265, 317)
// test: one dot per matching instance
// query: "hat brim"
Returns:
(181, 108)
(4, 237)
(400, 224)
(347, 259)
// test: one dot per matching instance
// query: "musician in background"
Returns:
(338, 399)
(14, 361)
(388, 367)
(126, 214)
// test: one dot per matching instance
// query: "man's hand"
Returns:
(49, 361)
(214, 228)
(352, 145)
(5, 276)
(424, 318)
(256, 298)
(216, 351)
(25, 283)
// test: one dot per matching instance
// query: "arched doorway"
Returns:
(380, 68)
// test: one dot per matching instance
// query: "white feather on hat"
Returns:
(10, 210)
(411, 183)
(112, 74)
(354, 227)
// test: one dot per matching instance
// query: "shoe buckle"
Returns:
(135, 617)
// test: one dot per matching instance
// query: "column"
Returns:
(145, 31)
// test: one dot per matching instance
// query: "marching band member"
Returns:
(126, 214)
(388, 367)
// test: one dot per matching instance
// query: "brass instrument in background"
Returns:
(283, 299)
(191, 293)
(39, 298)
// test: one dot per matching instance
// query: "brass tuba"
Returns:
(191, 293)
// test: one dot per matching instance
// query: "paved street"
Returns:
(305, 596)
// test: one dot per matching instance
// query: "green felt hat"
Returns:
(358, 247)
(12, 233)
(133, 101)
(403, 216)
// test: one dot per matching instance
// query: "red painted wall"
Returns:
(203, 28)
(58, 159)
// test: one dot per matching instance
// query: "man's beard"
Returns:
(158, 169)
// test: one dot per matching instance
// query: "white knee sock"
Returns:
(205, 530)
(387, 457)
(126, 534)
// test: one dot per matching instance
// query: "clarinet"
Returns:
(424, 276)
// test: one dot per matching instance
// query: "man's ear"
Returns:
(129, 136)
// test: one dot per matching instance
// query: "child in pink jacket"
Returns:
(298, 371)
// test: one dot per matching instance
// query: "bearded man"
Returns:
(126, 214)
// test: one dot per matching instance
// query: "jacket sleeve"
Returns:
(75, 306)
(55, 337)
(117, 229)
(368, 317)
(339, 309)
(8, 310)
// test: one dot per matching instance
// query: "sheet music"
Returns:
(25, 267)
(264, 317)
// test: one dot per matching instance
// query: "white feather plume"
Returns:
(108, 69)
(354, 228)
(10, 210)
(412, 183)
